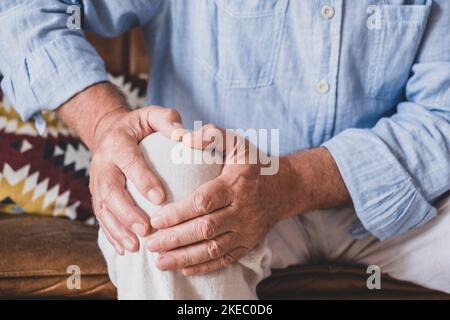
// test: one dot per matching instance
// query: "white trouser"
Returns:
(421, 256)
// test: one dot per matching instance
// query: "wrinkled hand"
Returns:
(116, 156)
(225, 218)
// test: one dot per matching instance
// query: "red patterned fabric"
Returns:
(46, 175)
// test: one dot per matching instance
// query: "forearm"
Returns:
(85, 110)
(314, 182)
(49, 62)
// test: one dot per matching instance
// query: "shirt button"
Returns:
(323, 87)
(327, 12)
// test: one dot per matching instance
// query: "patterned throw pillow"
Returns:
(48, 174)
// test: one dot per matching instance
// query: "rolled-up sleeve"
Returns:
(395, 170)
(43, 62)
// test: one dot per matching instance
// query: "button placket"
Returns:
(330, 12)
(332, 76)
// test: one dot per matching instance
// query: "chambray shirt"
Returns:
(367, 79)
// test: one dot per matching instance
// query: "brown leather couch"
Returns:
(35, 253)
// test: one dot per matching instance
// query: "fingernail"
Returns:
(153, 244)
(178, 134)
(128, 244)
(187, 139)
(119, 250)
(156, 196)
(165, 263)
(139, 229)
(157, 222)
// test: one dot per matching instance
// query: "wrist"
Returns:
(298, 178)
(316, 181)
(106, 123)
(91, 110)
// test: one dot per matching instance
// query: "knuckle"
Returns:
(202, 203)
(207, 229)
(126, 220)
(100, 212)
(214, 249)
(164, 220)
(107, 143)
(172, 113)
(106, 191)
(173, 239)
(186, 260)
(128, 162)
(227, 260)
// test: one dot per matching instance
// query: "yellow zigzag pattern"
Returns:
(10, 121)
(26, 196)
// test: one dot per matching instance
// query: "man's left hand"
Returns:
(225, 218)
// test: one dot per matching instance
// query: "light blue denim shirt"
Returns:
(367, 79)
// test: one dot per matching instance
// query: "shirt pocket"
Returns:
(237, 42)
(394, 43)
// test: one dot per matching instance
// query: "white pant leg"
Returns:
(136, 277)
(420, 256)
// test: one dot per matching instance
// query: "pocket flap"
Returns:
(415, 13)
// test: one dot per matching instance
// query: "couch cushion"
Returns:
(331, 281)
(36, 252)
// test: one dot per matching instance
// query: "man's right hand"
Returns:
(113, 134)
(117, 157)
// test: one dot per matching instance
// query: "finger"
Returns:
(118, 233)
(209, 197)
(234, 147)
(110, 190)
(119, 248)
(208, 137)
(197, 253)
(192, 231)
(133, 165)
(167, 121)
(211, 266)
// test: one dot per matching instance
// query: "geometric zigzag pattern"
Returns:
(10, 122)
(44, 175)
(54, 183)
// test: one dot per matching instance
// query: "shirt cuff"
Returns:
(52, 74)
(386, 201)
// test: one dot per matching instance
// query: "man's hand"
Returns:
(113, 133)
(227, 217)
(116, 156)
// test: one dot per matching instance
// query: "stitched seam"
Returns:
(11, 10)
(42, 273)
(251, 14)
(265, 79)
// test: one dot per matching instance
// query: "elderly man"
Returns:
(360, 91)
